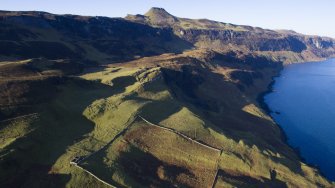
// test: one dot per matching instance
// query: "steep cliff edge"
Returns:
(288, 47)
(147, 101)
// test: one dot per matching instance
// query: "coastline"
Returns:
(264, 106)
(269, 89)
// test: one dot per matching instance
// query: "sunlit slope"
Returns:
(44, 120)
(251, 144)
(181, 107)
(191, 120)
(148, 155)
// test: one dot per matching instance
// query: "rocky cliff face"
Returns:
(251, 40)
(147, 101)
(103, 40)
(220, 36)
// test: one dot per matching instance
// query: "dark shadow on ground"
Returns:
(249, 182)
(219, 101)
(29, 159)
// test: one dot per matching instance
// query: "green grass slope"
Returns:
(205, 127)
(184, 112)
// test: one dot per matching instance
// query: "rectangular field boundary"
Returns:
(122, 132)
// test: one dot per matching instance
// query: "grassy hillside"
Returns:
(90, 40)
(141, 104)
(251, 144)
(200, 99)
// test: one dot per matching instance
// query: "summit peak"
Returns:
(157, 11)
(159, 16)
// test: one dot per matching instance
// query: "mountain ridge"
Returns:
(72, 88)
(219, 36)
(213, 32)
(287, 47)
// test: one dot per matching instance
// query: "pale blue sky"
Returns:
(304, 16)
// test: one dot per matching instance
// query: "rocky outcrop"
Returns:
(108, 40)
(253, 41)
(160, 17)
(220, 36)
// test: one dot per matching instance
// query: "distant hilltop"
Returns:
(165, 29)
(149, 100)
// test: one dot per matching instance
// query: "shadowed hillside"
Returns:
(284, 46)
(90, 39)
(147, 101)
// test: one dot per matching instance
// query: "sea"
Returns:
(302, 102)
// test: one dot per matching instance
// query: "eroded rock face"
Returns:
(320, 43)
(38, 34)
(253, 41)
(209, 34)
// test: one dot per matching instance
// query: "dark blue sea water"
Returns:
(304, 99)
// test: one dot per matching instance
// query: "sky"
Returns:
(315, 17)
